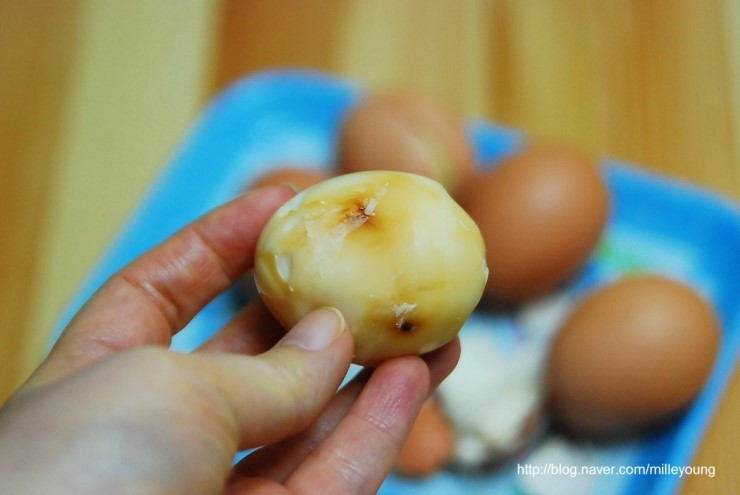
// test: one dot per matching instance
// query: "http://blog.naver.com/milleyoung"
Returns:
(573, 471)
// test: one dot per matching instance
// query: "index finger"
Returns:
(154, 297)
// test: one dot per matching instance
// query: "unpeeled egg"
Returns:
(406, 132)
(430, 444)
(634, 353)
(541, 211)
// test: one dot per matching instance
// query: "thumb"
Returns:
(282, 391)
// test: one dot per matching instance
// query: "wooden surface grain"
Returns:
(37, 41)
(95, 95)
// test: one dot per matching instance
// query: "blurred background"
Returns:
(96, 94)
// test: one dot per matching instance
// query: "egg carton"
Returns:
(656, 224)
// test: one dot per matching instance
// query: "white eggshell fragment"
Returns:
(493, 398)
(392, 251)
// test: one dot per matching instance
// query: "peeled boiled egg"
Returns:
(632, 354)
(407, 132)
(541, 212)
(392, 251)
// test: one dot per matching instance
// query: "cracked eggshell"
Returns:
(493, 398)
(392, 251)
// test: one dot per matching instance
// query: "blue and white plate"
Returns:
(656, 224)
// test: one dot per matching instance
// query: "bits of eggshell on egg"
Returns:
(541, 211)
(374, 245)
(294, 175)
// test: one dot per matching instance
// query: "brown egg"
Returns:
(541, 212)
(631, 355)
(406, 132)
(297, 176)
(430, 445)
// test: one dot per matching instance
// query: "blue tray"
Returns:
(292, 117)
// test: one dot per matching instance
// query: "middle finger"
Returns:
(279, 460)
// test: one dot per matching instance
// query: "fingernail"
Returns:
(317, 330)
(291, 186)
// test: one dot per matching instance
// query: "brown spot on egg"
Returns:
(405, 326)
(359, 212)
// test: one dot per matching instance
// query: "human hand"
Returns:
(112, 410)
